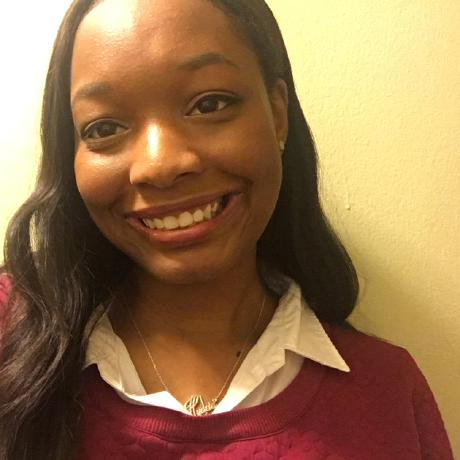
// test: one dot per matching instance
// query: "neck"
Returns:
(224, 308)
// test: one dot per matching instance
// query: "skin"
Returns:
(156, 147)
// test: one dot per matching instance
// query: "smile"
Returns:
(188, 218)
(191, 225)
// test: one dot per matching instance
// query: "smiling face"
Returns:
(172, 114)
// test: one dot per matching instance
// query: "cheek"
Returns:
(252, 154)
(99, 178)
(100, 183)
(263, 160)
(251, 150)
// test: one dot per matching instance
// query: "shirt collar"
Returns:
(295, 327)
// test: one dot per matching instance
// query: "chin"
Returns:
(177, 273)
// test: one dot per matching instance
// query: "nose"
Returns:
(161, 156)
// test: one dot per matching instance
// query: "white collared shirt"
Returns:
(293, 334)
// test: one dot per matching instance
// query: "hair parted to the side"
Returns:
(62, 267)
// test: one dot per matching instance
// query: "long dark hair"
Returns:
(62, 267)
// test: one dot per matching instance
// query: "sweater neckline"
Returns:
(261, 420)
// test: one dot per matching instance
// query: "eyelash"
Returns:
(228, 99)
(86, 132)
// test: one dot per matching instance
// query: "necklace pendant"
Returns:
(196, 405)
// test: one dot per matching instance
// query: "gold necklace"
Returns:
(196, 404)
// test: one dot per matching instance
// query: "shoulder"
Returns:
(373, 359)
(5, 293)
(390, 375)
(5, 286)
(355, 342)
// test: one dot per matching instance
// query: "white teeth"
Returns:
(171, 223)
(185, 219)
(158, 223)
(207, 212)
(198, 215)
(149, 223)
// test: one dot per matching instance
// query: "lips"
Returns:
(182, 237)
(187, 218)
(164, 210)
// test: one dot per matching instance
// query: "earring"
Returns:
(282, 145)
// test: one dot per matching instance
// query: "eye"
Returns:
(213, 103)
(102, 129)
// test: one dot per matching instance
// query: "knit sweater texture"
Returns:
(382, 410)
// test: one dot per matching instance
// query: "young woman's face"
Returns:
(172, 115)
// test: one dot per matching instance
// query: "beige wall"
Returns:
(380, 86)
(25, 46)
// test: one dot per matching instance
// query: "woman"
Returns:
(175, 250)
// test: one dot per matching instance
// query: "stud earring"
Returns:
(282, 146)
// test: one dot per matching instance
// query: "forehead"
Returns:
(125, 35)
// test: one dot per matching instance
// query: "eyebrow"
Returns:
(203, 60)
(97, 88)
(192, 64)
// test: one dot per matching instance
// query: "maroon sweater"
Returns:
(382, 410)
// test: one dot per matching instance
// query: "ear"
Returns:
(279, 103)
